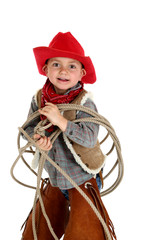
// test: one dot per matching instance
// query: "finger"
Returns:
(40, 111)
(46, 109)
(43, 112)
(49, 148)
(40, 141)
(44, 142)
(36, 136)
(50, 104)
(49, 144)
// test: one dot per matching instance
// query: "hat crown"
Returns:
(65, 45)
(66, 42)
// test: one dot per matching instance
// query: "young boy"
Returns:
(67, 69)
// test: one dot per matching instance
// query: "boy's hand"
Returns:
(43, 142)
(53, 114)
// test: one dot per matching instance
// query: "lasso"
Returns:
(96, 118)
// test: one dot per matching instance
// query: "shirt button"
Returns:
(71, 132)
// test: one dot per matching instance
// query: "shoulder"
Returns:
(87, 96)
(36, 101)
(88, 101)
(37, 98)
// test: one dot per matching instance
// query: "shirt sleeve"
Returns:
(83, 133)
(32, 124)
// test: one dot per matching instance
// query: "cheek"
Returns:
(77, 77)
(80, 75)
(51, 73)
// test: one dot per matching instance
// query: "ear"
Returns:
(83, 72)
(45, 69)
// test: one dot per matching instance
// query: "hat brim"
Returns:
(44, 53)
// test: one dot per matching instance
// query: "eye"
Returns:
(72, 66)
(56, 64)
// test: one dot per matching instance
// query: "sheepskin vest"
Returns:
(90, 159)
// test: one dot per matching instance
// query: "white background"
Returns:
(123, 40)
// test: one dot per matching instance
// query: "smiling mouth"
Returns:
(63, 79)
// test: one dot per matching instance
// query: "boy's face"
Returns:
(63, 73)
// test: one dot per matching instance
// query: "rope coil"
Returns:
(96, 118)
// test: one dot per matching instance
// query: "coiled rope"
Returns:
(96, 118)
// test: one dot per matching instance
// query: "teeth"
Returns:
(63, 79)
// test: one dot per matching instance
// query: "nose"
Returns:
(63, 69)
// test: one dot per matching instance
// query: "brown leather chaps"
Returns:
(57, 209)
(77, 222)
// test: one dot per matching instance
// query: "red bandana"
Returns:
(49, 95)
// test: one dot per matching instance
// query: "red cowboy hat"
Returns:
(65, 45)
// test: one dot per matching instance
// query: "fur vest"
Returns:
(90, 159)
